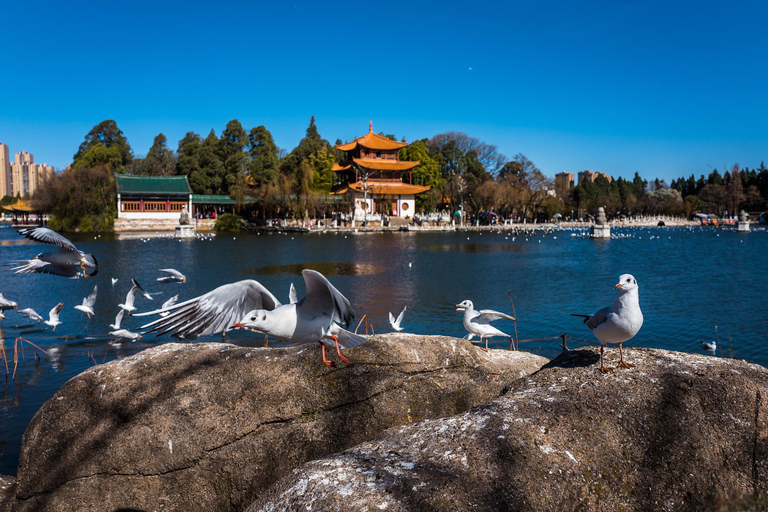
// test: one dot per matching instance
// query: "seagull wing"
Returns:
(143, 291)
(131, 296)
(292, 296)
(489, 315)
(392, 321)
(400, 316)
(170, 302)
(595, 320)
(119, 318)
(214, 311)
(91, 299)
(53, 315)
(323, 298)
(47, 236)
(173, 272)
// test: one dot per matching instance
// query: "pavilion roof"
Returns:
(386, 165)
(372, 141)
(389, 187)
(218, 199)
(152, 185)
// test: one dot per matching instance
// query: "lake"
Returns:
(692, 280)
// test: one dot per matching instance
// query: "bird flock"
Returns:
(322, 316)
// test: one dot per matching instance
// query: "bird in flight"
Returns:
(67, 261)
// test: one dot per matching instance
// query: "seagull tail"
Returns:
(585, 317)
(348, 339)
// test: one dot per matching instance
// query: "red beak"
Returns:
(237, 325)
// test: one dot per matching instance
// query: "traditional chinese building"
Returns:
(152, 197)
(373, 165)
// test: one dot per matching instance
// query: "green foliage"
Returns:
(263, 154)
(228, 222)
(6, 200)
(107, 134)
(160, 161)
(209, 177)
(100, 155)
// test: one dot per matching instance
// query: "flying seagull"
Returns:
(118, 320)
(88, 302)
(67, 261)
(478, 323)
(174, 276)
(167, 304)
(31, 314)
(395, 323)
(315, 318)
(7, 304)
(131, 297)
(618, 322)
(212, 312)
(125, 334)
(53, 316)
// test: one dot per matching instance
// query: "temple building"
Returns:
(373, 173)
(152, 197)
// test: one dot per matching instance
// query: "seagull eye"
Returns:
(628, 279)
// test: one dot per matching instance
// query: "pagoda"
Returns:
(373, 174)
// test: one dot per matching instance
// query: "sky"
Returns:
(665, 89)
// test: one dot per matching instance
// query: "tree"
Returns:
(263, 155)
(209, 178)
(159, 161)
(100, 156)
(232, 146)
(487, 154)
(110, 136)
(187, 161)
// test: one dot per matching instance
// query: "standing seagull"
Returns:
(53, 316)
(88, 302)
(64, 262)
(313, 319)
(213, 312)
(619, 322)
(478, 323)
(131, 297)
(174, 276)
(395, 323)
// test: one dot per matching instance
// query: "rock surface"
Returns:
(211, 426)
(677, 432)
(7, 491)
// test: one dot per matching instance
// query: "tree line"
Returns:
(463, 172)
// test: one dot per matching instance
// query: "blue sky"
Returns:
(662, 88)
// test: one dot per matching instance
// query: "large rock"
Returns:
(210, 426)
(678, 432)
(7, 492)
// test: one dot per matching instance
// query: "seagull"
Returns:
(53, 316)
(7, 304)
(174, 276)
(118, 319)
(618, 322)
(396, 323)
(478, 323)
(31, 314)
(128, 306)
(212, 312)
(313, 319)
(167, 304)
(709, 345)
(293, 298)
(125, 334)
(64, 262)
(2, 316)
(88, 302)
(114, 281)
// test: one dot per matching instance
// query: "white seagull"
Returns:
(174, 276)
(213, 312)
(620, 321)
(7, 304)
(131, 297)
(118, 320)
(31, 314)
(53, 316)
(293, 297)
(315, 318)
(710, 346)
(88, 302)
(125, 334)
(395, 323)
(114, 281)
(67, 261)
(478, 323)
(167, 304)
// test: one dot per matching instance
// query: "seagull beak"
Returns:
(237, 325)
(184, 280)
(618, 285)
(458, 306)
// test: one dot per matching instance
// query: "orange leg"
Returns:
(325, 359)
(486, 343)
(602, 366)
(623, 364)
(338, 350)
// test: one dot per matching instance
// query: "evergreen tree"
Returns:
(106, 134)
(263, 155)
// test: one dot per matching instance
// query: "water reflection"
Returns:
(327, 268)
(477, 248)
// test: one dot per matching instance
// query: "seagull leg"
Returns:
(622, 363)
(266, 340)
(325, 360)
(338, 350)
(602, 366)
(486, 344)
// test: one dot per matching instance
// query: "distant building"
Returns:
(5, 171)
(373, 162)
(592, 176)
(564, 180)
(152, 197)
(26, 176)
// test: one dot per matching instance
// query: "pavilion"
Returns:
(374, 176)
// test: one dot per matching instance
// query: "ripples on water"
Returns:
(691, 279)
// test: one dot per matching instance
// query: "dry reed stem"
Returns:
(358, 323)
(514, 315)
(15, 357)
(5, 358)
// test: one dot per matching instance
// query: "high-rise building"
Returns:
(26, 175)
(592, 176)
(5, 171)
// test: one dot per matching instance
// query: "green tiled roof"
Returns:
(216, 199)
(154, 185)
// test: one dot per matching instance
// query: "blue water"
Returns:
(691, 280)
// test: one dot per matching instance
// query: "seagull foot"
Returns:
(338, 350)
(606, 369)
(622, 364)
(325, 359)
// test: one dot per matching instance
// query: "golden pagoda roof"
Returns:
(372, 141)
(21, 206)
(337, 167)
(386, 165)
(389, 187)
